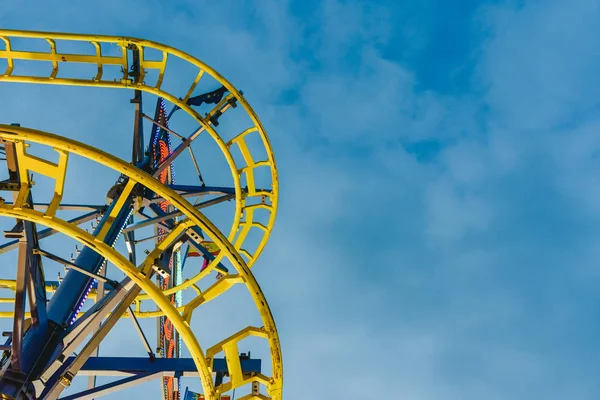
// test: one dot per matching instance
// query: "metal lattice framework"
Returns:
(32, 371)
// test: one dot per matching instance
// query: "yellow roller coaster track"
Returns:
(233, 247)
(248, 201)
(141, 275)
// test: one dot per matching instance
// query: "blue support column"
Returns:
(69, 296)
(42, 342)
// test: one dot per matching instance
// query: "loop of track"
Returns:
(180, 317)
(248, 199)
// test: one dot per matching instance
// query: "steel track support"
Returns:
(140, 332)
(22, 277)
(66, 377)
(164, 217)
(88, 323)
(29, 268)
(70, 265)
(113, 387)
(44, 233)
(137, 155)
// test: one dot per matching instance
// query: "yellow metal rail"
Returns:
(181, 318)
(245, 218)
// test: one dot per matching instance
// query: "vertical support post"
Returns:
(99, 297)
(36, 284)
(11, 161)
(137, 155)
(130, 241)
(138, 127)
(22, 277)
(30, 284)
(17, 335)
(175, 393)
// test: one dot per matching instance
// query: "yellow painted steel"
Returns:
(120, 202)
(254, 397)
(32, 163)
(244, 201)
(230, 349)
(193, 218)
(131, 271)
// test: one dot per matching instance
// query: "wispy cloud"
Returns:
(437, 234)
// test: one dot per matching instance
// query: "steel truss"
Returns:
(38, 355)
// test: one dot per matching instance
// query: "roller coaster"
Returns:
(155, 250)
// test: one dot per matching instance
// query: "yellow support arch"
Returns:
(139, 275)
(55, 58)
(247, 200)
(29, 163)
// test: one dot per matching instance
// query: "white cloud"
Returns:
(453, 214)
(540, 61)
(435, 304)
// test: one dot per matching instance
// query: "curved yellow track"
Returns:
(240, 229)
(181, 322)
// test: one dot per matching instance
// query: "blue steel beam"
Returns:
(118, 366)
(159, 219)
(201, 249)
(43, 342)
(68, 297)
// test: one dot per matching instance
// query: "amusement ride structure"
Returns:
(148, 251)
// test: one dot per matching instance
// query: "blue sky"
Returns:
(438, 227)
